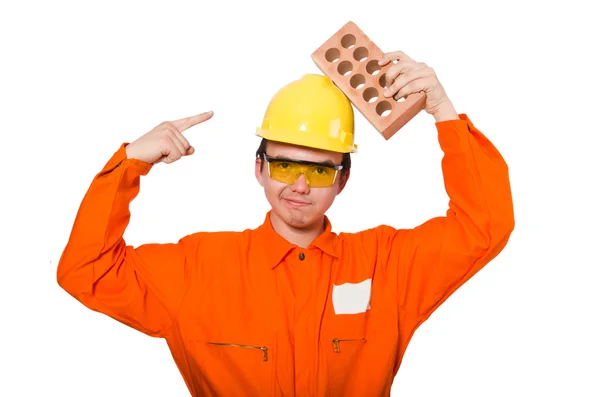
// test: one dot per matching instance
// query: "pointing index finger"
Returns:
(187, 122)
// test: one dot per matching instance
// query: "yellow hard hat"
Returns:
(311, 111)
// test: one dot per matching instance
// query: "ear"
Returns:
(257, 172)
(344, 181)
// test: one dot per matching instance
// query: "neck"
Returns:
(300, 236)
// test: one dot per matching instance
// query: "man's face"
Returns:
(298, 204)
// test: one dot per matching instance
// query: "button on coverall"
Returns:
(247, 313)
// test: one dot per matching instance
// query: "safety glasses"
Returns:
(287, 171)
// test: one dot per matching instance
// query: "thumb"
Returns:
(190, 150)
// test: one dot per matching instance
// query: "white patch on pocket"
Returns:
(352, 298)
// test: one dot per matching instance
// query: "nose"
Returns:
(300, 185)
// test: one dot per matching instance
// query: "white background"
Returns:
(78, 79)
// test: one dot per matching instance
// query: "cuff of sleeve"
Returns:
(463, 122)
(119, 159)
(452, 133)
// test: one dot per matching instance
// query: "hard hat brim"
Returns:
(301, 139)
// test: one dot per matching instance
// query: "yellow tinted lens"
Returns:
(283, 172)
(319, 176)
(316, 175)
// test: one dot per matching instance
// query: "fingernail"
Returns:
(386, 92)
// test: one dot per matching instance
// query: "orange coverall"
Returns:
(249, 314)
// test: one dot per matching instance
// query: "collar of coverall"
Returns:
(276, 247)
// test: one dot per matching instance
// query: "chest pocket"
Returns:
(359, 339)
(345, 337)
(233, 366)
(345, 342)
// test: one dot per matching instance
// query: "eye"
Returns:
(283, 166)
(321, 171)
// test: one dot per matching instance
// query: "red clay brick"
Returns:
(350, 58)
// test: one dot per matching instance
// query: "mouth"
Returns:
(296, 203)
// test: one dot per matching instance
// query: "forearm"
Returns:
(437, 257)
(476, 177)
(100, 224)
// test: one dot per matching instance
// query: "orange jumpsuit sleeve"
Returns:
(141, 287)
(434, 259)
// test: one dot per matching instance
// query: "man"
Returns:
(290, 308)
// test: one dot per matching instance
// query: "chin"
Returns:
(298, 217)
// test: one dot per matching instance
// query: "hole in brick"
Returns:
(332, 55)
(401, 99)
(348, 41)
(357, 81)
(383, 108)
(361, 54)
(382, 81)
(345, 68)
(373, 67)
(371, 94)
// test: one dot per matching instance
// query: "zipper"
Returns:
(263, 349)
(336, 343)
